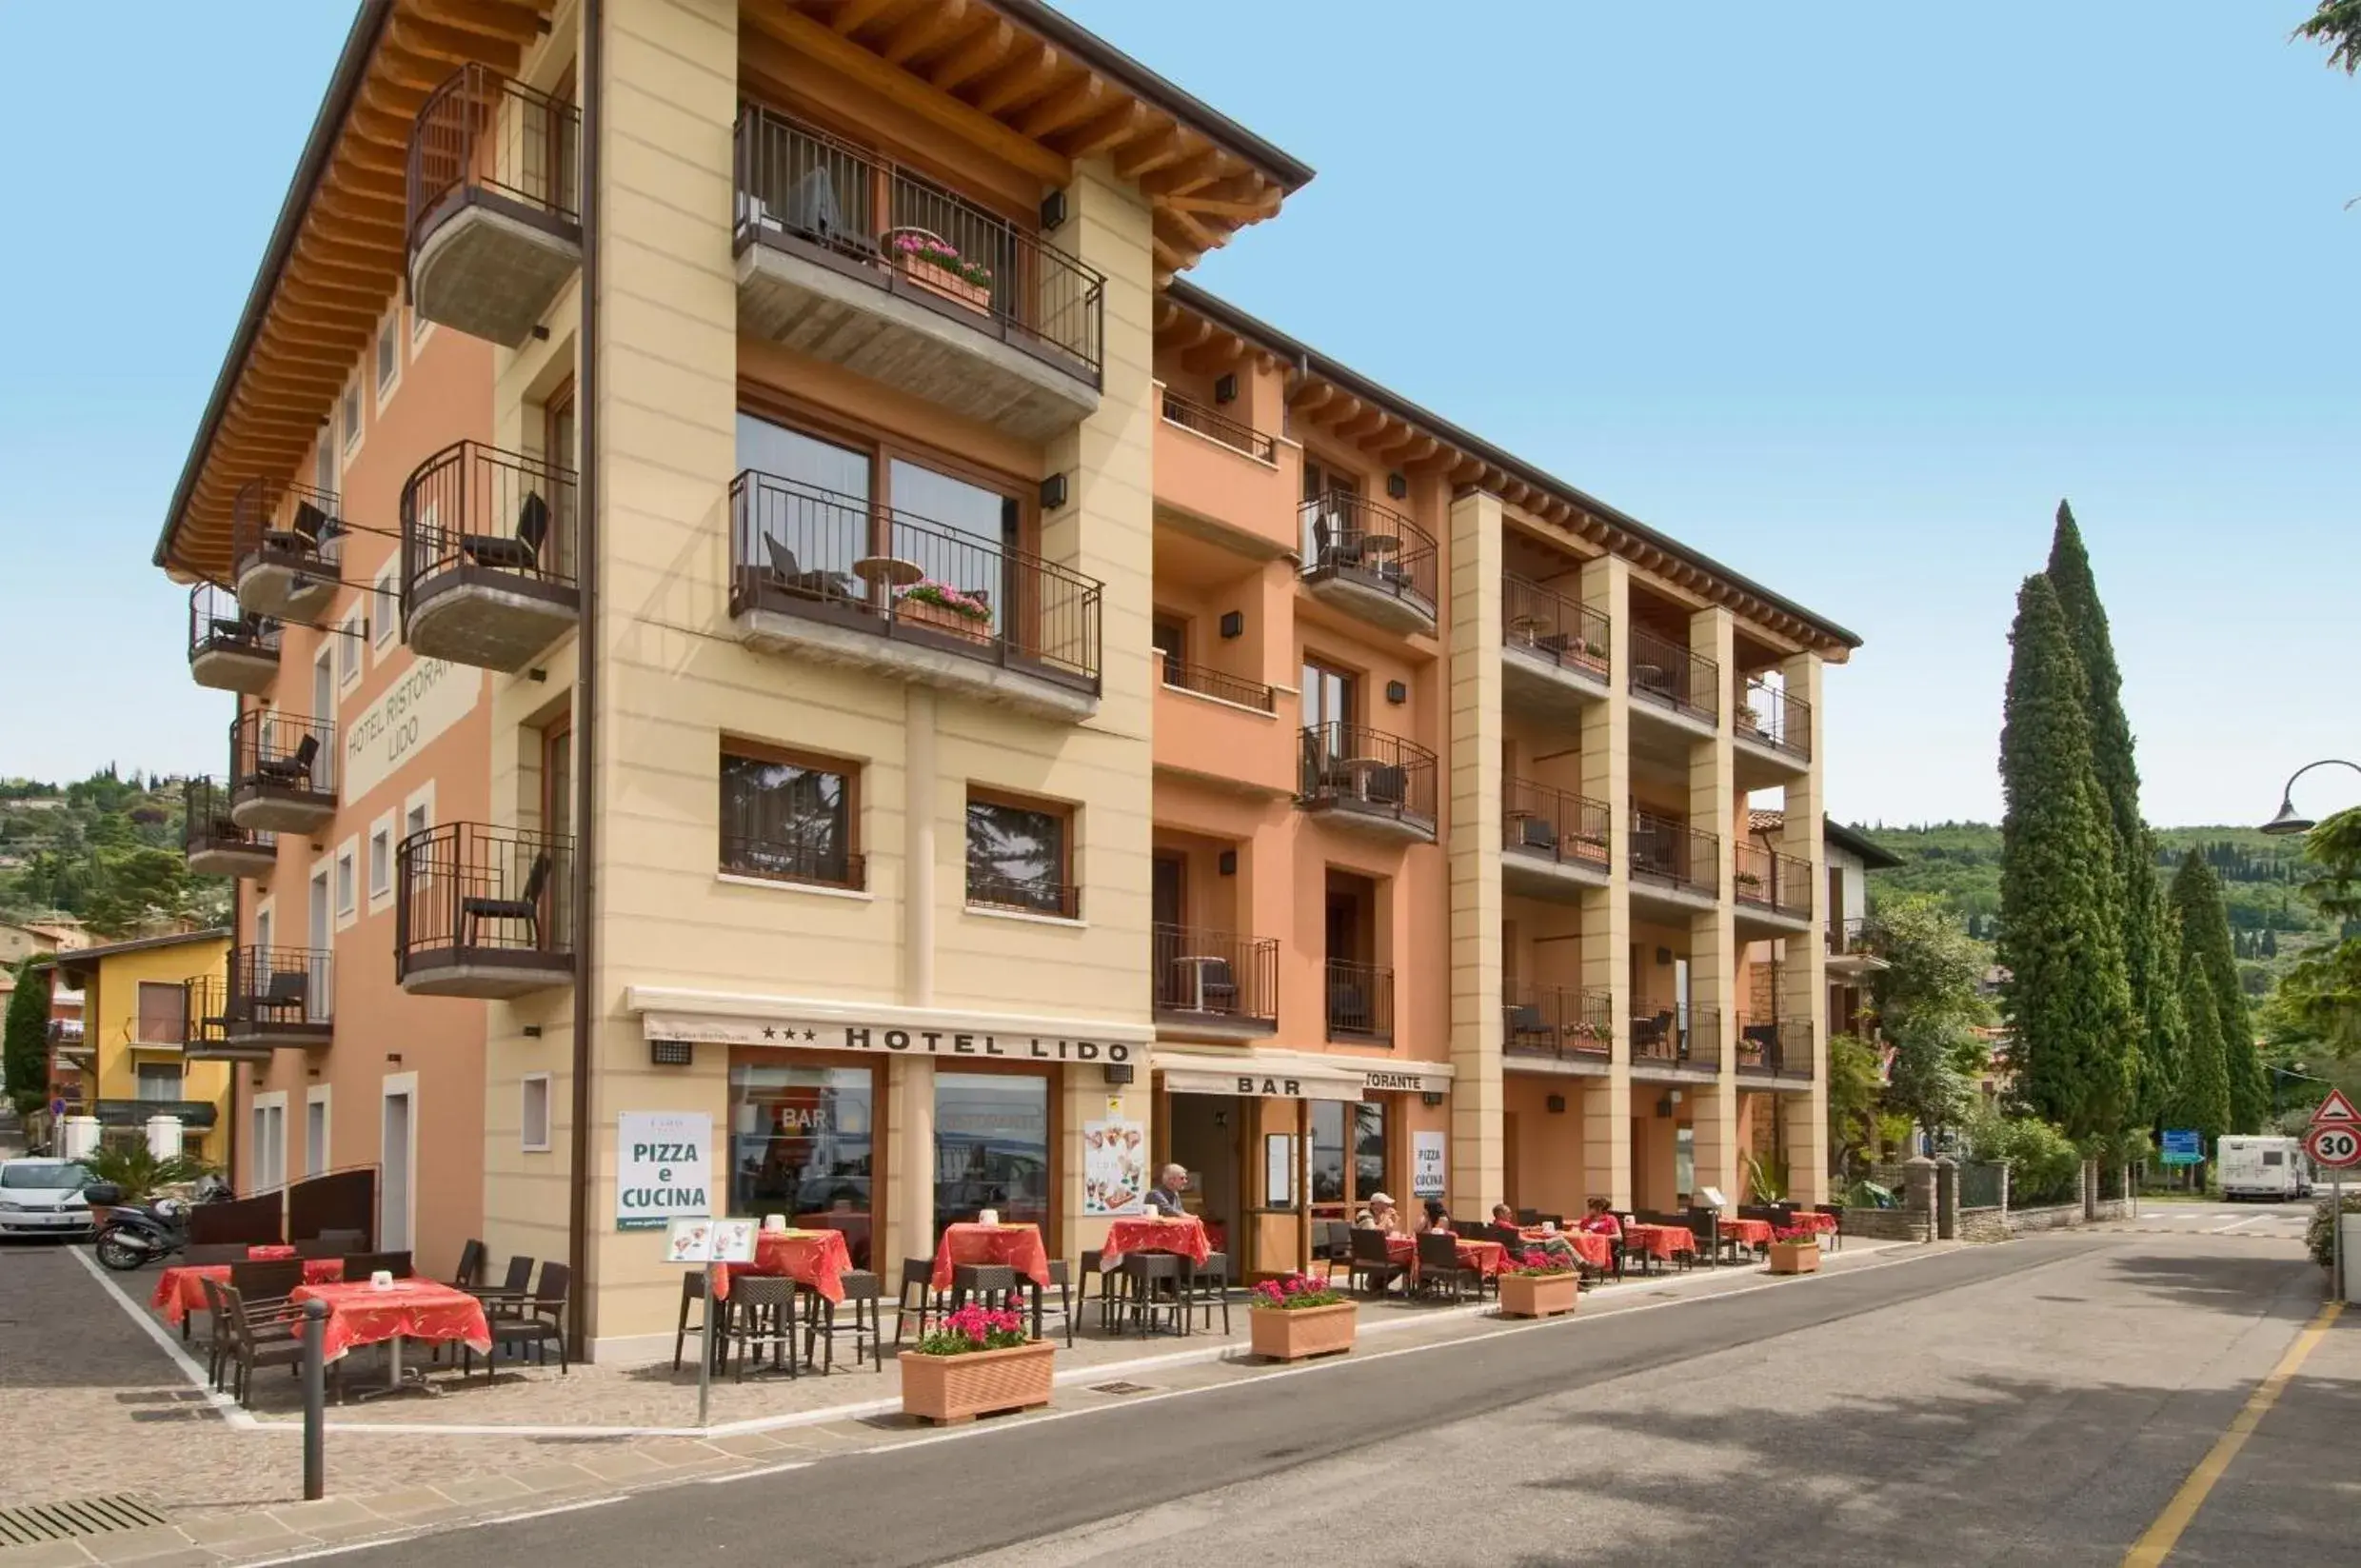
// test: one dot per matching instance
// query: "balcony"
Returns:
(1219, 730)
(287, 546)
(483, 912)
(1772, 734)
(1674, 864)
(1671, 684)
(1856, 948)
(852, 260)
(215, 846)
(1213, 986)
(1575, 1027)
(841, 580)
(1552, 843)
(494, 215)
(1681, 1043)
(1365, 779)
(1773, 891)
(488, 557)
(1218, 479)
(69, 1042)
(1553, 650)
(1359, 1004)
(282, 772)
(278, 998)
(1776, 1048)
(1368, 561)
(231, 649)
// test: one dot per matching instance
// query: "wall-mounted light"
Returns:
(394, 1057)
(1225, 386)
(1053, 492)
(1396, 485)
(1396, 692)
(671, 1053)
(1053, 209)
(1664, 956)
(1556, 1103)
(532, 1031)
(1227, 861)
(1233, 623)
(1430, 1098)
(1118, 1072)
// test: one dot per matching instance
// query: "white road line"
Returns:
(230, 1410)
(2224, 1230)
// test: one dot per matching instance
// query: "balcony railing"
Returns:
(1765, 879)
(802, 550)
(1348, 538)
(1674, 855)
(1553, 824)
(1555, 1022)
(804, 190)
(1352, 767)
(1677, 1037)
(1671, 676)
(1213, 683)
(229, 647)
(279, 523)
(1771, 715)
(1215, 975)
(1214, 426)
(480, 910)
(275, 990)
(1361, 1001)
(1862, 935)
(274, 753)
(483, 138)
(824, 860)
(1547, 624)
(207, 831)
(1774, 1047)
(1025, 894)
(487, 555)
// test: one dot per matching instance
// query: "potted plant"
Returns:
(1538, 1285)
(130, 1173)
(947, 608)
(1794, 1250)
(977, 1361)
(1293, 1317)
(934, 264)
(1747, 879)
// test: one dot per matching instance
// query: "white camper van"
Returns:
(2270, 1169)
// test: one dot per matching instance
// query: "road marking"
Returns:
(2155, 1546)
(226, 1408)
(2224, 1230)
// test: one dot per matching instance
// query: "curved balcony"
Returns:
(279, 998)
(282, 772)
(204, 1002)
(287, 546)
(1365, 779)
(1552, 843)
(483, 911)
(229, 647)
(1369, 561)
(214, 844)
(1553, 650)
(488, 557)
(494, 215)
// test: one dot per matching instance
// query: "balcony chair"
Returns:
(1525, 1026)
(520, 553)
(1535, 833)
(1348, 1009)
(305, 534)
(813, 213)
(287, 990)
(787, 574)
(1386, 786)
(293, 771)
(1327, 552)
(1557, 644)
(526, 907)
(1651, 1035)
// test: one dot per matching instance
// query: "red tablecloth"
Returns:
(269, 1255)
(1592, 1248)
(181, 1289)
(814, 1258)
(1487, 1258)
(1815, 1221)
(1018, 1247)
(1754, 1232)
(1185, 1236)
(359, 1314)
(1659, 1241)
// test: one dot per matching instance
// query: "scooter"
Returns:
(137, 1234)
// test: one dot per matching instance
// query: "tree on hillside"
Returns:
(25, 1039)
(2205, 941)
(2201, 1097)
(2337, 24)
(2067, 1001)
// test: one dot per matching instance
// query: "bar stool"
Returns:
(1060, 1281)
(692, 1289)
(991, 1284)
(1213, 1274)
(763, 1316)
(1144, 1273)
(917, 1274)
(862, 1290)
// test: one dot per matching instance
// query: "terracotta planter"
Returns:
(983, 1382)
(1794, 1257)
(1290, 1336)
(919, 612)
(1538, 1294)
(943, 280)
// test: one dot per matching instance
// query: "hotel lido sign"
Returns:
(878, 1039)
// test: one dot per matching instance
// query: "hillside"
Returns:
(107, 849)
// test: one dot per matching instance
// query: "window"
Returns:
(1331, 696)
(1345, 1173)
(155, 1081)
(315, 1130)
(345, 886)
(268, 1157)
(385, 606)
(379, 862)
(324, 464)
(1170, 637)
(801, 1144)
(352, 418)
(421, 328)
(162, 1018)
(262, 928)
(992, 1148)
(324, 684)
(388, 353)
(790, 817)
(350, 649)
(533, 1122)
(1019, 855)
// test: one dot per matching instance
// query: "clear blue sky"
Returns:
(1847, 296)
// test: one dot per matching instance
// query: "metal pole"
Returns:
(2336, 1235)
(315, 1402)
(704, 1347)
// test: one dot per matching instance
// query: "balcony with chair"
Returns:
(1368, 781)
(1775, 1049)
(1674, 688)
(852, 258)
(1213, 986)
(204, 1001)
(229, 647)
(1359, 998)
(1770, 734)
(483, 911)
(214, 844)
(277, 998)
(842, 580)
(494, 215)
(286, 548)
(1221, 477)
(488, 557)
(1676, 1044)
(282, 772)
(1552, 842)
(1856, 947)
(1553, 650)
(1771, 891)
(1571, 1028)
(1369, 561)
(1673, 864)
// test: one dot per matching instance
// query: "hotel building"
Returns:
(754, 593)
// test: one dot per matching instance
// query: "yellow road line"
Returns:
(2155, 1546)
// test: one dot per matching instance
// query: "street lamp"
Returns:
(2290, 820)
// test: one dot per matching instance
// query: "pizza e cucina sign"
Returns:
(431, 696)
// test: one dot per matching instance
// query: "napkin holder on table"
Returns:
(381, 1279)
(989, 1217)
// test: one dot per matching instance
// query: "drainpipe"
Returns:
(585, 680)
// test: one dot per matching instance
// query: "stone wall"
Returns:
(1889, 1225)
(2056, 1217)
(1984, 1224)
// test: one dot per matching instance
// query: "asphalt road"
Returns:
(2039, 1401)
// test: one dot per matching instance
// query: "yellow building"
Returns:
(136, 1033)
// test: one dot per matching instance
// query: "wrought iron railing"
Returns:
(1554, 824)
(1200, 973)
(217, 624)
(1213, 683)
(286, 752)
(798, 188)
(477, 508)
(1229, 432)
(205, 823)
(467, 893)
(280, 985)
(1554, 1021)
(1031, 895)
(481, 137)
(204, 1002)
(1674, 855)
(1770, 715)
(1672, 675)
(1862, 935)
(1349, 536)
(825, 861)
(1678, 1037)
(1359, 1000)
(1547, 624)
(1774, 1047)
(280, 523)
(798, 548)
(1767, 878)
(1362, 769)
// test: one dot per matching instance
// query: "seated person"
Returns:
(1436, 1218)
(1600, 1222)
(1379, 1216)
(1556, 1248)
(1164, 1198)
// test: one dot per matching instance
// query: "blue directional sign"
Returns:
(2184, 1147)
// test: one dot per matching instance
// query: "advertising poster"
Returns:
(1114, 1167)
(1426, 1165)
(663, 1168)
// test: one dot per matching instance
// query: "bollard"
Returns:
(315, 1400)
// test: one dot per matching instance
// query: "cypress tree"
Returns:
(25, 1039)
(2201, 1100)
(2205, 940)
(2067, 1001)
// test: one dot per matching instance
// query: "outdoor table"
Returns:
(180, 1290)
(1192, 967)
(1754, 1232)
(888, 570)
(1185, 1236)
(1486, 1257)
(279, 1253)
(1591, 1246)
(1664, 1241)
(1017, 1245)
(361, 1314)
(813, 1258)
(1814, 1219)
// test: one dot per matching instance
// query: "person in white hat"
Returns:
(1379, 1215)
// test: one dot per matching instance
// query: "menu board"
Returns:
(709, 1242)
(1114, 1167)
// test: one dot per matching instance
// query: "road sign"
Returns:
(2333, 1146)
(2336, 1108)
(2184, 1146)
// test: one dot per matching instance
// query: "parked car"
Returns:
(44, 1198)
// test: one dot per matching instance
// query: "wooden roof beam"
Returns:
(1120, 125)
(1157, 151)
(1064, 108)
(1312, 397)
(452, 45)
(1200, 169)
(979, 50)
(929, 27)
(1019, 82)
(855, 14)
(518, 23)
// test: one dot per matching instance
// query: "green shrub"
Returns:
(2320, 1237)
(2044, 1164)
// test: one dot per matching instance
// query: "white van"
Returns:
(2270, 1168)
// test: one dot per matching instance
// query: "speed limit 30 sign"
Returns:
(2334, 1145)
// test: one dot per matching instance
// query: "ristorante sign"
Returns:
(429, 698)
(815, 1035)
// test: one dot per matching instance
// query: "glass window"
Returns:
(817, 522)
(380, 863)
(991, 1148)
(158, 1080)
(353, 416)
(1368, 1148)
(802, 1143)
(163, 1013)
(788, 817)
(388, 351)
(534, 1120)
(344, 884)
(323, 464)
(959, 533)
(1343, 1177)
(1017, 857)
(385, 615)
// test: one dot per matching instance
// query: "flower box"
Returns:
(941, 279)
(1538, 1294)
(1796, 1256)
(942, 618)
(1290, 1334)
(945, 1389)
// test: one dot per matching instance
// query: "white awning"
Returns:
(1244, 1074)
